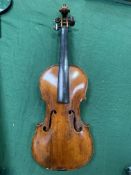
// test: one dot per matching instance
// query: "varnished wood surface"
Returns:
(62, 141)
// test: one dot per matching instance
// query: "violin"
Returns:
(63, 141)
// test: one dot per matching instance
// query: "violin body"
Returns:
(62, 141)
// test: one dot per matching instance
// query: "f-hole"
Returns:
(76, 122)
(47, 126)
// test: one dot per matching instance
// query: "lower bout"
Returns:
(62, 156)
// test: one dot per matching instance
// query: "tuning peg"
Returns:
(57, 20)
(56, 27)
(71, 21)
(57, 23)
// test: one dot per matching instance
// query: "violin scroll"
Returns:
(64, 20)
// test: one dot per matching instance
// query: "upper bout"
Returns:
(78, 83)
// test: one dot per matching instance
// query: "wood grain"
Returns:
(62, 141)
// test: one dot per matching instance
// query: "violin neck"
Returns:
(63, 73)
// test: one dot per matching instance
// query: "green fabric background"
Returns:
(100, 43)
